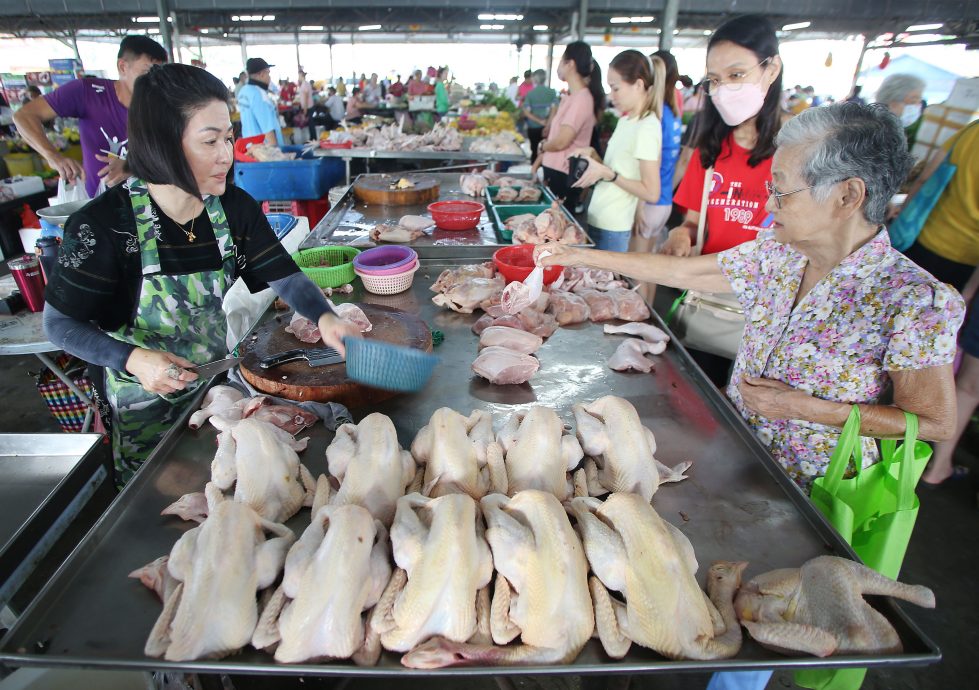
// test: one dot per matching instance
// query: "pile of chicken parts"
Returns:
(535, 554)
(578, 295)
(552, 225)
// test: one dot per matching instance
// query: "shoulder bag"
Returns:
(707, 321)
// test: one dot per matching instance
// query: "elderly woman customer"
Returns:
(835, 315)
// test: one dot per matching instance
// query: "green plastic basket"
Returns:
(328, 267)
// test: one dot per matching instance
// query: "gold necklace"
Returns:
(190, 233)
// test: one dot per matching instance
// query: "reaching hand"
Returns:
(69, 169)
(333, 330)
(554, 254)
(154, 370)
(115, 170)
(595, 172)
(678, 243)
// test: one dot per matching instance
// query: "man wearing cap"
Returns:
(259, 114)
(101, 106)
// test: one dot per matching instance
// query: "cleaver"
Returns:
(316, 357)
(216, 367)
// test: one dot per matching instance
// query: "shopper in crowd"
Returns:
(735, 136)
(538, 107)
(512, 90)
(441, 92)
(572, 125)
(372, 92)
(287, 92)
(902, 94)
(240, 82)
(335, 107)
(526, 86)
(327, 114)
(651, 216)
(257, 105)
(837, 316)
(305, 93)
(417, 86)
(354, 104)
(101, 106)
(341, 88)
(397, 89)
(145, 267)
(629, 173)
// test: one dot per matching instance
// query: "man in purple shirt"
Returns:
(101, 106)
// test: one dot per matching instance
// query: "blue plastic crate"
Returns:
(282, 223)
(304, 178)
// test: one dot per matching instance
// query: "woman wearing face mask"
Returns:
(571, 126)
(902, 94)
(143, 269)
(630, 173)
(736, 135)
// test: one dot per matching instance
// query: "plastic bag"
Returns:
(70, 192)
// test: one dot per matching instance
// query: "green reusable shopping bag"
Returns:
(874, 511)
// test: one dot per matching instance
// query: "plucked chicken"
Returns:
(453, 277)
(652, 565)
(385, 232)
(219, 400)
(620, 449)
(568, 308)
(453, 450)
(539, 454)
(466, 297)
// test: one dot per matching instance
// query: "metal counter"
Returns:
(737, 504)
(351, 219)
(47, 479)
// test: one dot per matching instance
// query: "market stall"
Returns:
(736, 504)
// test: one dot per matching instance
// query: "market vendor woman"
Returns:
(144, 268)
(834, 315)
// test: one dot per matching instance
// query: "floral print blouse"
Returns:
(875, 312)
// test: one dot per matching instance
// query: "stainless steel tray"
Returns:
(350, 220)
(737, 504)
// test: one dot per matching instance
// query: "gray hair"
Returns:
(851, 140)
(540, 76)
(897, 87)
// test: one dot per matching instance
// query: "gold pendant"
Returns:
(191, 236)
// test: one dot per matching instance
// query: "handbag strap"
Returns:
(848, 446)
(905, 481)
(702, 221)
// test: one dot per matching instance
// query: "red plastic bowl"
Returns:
(516, 263)
(456, 215)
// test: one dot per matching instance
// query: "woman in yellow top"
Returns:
(630, 172)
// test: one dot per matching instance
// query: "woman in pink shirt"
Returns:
(572, 124)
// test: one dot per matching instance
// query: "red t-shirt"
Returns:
(736, 202)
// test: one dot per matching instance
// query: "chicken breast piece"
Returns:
(503, 366)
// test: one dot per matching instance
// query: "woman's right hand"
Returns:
(678, 243)
(557, 254)
(68, 169)
(151, 368)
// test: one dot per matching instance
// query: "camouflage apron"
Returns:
(180, 314)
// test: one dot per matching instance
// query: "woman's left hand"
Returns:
(772, 399)
(595, 172)
(333, 330)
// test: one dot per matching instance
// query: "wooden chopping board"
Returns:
(376, 189)
(327, 383)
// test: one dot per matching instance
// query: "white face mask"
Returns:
(910, 114)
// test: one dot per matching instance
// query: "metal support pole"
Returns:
(244, 51)
(299, 63)
(670, 12)
(163, 11)
(582, 19)
(331, 59)
(74, 45)
(863, 52)
(550, 59)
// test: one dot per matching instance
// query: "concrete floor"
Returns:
(942, 555)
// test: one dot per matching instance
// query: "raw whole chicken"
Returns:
(505, 195)
(416, 222)
(651, 563)
(473, 184)
(466, 297)
(221, 565)
(529, 195)
(490, 176)
(394, 233)
(450, 278)
(578, 278)
(156, 577)
(513, 223)
(502, 366)
(601, 305)
(510, 338)
(550, 224)
(629, 306)
(516, 183)
(453, 450)
(620, 450)
(630, 354)
(440, 586)
(485, 321)
(541, 591)
(351, 313)
(335, 572)
(568, 308)
(819, 608)
(219, 400)
(289, 418)
(539, 454)
(303, 328)
(494, 305)
(646, 331)
(226, 444)
(370, 465)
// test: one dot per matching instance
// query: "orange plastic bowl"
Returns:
(516, 263)
(456, 215)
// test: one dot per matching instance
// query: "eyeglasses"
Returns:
(773, 192)
(735, 80)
